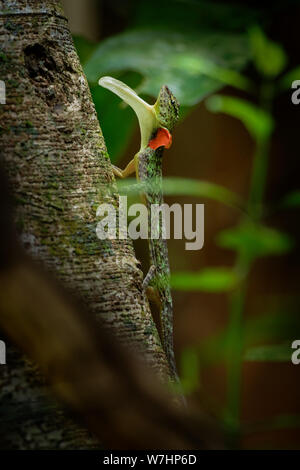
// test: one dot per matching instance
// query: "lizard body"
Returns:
(156, 123)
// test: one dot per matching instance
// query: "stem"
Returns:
(261, 159)
(259, 177)
(235, 343)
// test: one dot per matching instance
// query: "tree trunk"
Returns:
(59, 170)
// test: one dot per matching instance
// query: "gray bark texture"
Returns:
(59, 170)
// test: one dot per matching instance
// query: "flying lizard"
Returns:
(156, 123)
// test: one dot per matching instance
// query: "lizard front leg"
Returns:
(128, 170)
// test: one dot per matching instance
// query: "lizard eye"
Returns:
(163, 138)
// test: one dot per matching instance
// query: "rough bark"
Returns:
(59, 170)
(111, 391)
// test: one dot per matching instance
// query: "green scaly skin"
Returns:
(150, 173)
(150, 170)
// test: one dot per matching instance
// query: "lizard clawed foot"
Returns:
(130, 168)
(117, 171)
(149, 277)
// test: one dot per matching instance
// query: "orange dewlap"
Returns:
(163, 138)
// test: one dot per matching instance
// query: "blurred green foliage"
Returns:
(254, 240)
(183, 60)
(292, 199)
(208, 280)
(168, 42)
(176, 186)
(84, 48)
(289, 77)
(272, 322)
(268, 56)
(257, 121)
(190, 370)
(271, 353)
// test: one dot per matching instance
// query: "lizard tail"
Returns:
(167, 335)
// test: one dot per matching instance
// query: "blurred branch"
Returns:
(118, 400)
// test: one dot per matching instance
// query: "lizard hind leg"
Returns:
(149, 276)
(153, 296)
(151, 292)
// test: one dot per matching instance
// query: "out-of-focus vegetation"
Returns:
(194, 47)
(218, 43)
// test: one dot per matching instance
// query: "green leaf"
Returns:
(255, 240)
(84, 48)
(190, 187)
(206, 67)
(287, 80)
(184, 60)
(291, 199)
(258, 122)
(269, 57)
(186, 187)
(218, 279)
(270, 353)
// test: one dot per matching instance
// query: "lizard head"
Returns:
(156, 121)
(167, 113)
(166, 108)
